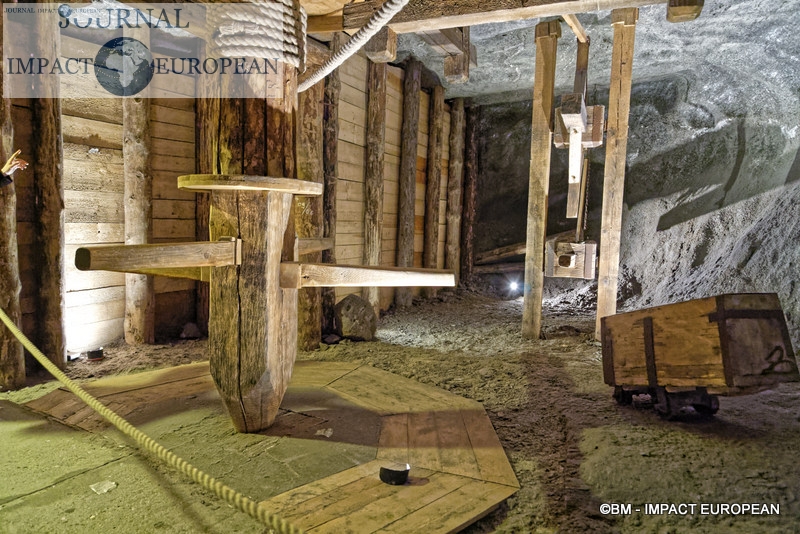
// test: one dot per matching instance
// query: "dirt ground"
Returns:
(572, 448)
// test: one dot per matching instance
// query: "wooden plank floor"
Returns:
(459, 470)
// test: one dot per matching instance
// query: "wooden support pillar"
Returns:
(470, 191)
(12, 360)
(138, 207)
(308, 210)
(49, 191)
(408, 174)
(455, 182)
(433, 183)
(619, 101)
(373, 178)
(547, 34)
(330, 169)
(207, 143)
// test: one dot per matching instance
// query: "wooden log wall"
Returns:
(352, 167)
(93, 198)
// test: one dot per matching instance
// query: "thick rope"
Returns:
(231, 496)
(273, 29)
(379, 19)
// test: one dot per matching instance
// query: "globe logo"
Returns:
(123, 66)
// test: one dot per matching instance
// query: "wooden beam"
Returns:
(422, 15)
(470, 191)
(582, 68)
(242, 182)
(408, 174)
(206, 142)
(456, 68)
(139, 289)
(576, 27)
(433, 182)
(547, 34)
(310, 245)
(373, 175)
(499, 268)
(126, 258)
(500, 253)
(455, 185)
(308, 216)
(12, 359)
(619, 101)
(328, 23)
(382, 48)
(447, 41)
(49, 191)
(330, 169)
(297, 275)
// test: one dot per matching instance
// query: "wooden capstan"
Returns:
(254, 280)
(248, 157)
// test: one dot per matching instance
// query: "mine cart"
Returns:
(685, 354)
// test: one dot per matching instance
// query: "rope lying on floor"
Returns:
(231, 496)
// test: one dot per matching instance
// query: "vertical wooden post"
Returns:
(12, 360)
(619, 101)
(547, 34)
(433, 183)
(251, 351)
(330, 169)
(373, 180)
(455, 181)
(49, 190)
(470, 191)
(207, 150)
(408, 174)
(308, 210)
(138, 205)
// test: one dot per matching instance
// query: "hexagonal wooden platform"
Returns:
(459, 470)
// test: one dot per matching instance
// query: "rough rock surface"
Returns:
(357, 318)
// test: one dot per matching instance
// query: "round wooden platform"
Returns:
(459, 471)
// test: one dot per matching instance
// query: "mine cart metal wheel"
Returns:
(623, 397)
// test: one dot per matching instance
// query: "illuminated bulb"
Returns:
(513, 286)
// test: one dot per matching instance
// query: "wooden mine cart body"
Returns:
(729, 344)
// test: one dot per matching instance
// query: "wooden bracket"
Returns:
(565, 259)
(591, 138)
(684, 10)
(382, 48)
(459, 53)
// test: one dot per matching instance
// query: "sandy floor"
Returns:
(571, 446)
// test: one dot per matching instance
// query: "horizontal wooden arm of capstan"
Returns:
(182, 260)
(241, 182)
(298, 275)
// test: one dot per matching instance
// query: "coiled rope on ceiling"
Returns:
(273, 29)
(379, 19)
(229, 495)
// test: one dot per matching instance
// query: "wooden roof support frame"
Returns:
(619, 101)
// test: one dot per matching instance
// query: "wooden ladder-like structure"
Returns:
(254, 277)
